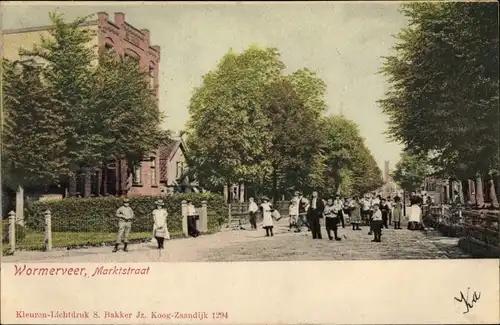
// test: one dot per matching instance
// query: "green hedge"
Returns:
(98, 214)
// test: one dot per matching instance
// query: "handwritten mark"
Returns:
(465, 300)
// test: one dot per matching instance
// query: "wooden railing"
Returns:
(478, 231)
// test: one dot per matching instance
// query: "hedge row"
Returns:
(98, 214)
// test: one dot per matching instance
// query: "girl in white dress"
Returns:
(293, 214)
(160, 229)
(415, 217)
(266, 210)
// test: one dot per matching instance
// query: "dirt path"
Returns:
(247, 245)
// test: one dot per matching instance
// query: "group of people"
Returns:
(370, 210)
(125, 215)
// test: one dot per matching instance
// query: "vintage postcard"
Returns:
(250, 162)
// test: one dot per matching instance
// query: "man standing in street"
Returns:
(314, 213)
(125, 216)
(301, 203)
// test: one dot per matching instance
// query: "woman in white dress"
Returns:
(266, 210)
(415, 217)
(160, 229)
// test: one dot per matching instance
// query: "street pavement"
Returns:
(252, 245)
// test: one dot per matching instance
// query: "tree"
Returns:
(411, 171)
(297, 138)
(249, 123)
(228, 133)
(94, 112)
(32, 149)
(444, 96)
(347, 159)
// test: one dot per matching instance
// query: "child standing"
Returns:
(252, 212)
(384, 207)
(397, 213)
(293, 213)
(376, 224)
(331, 218)
(266, 210)
(355, 213)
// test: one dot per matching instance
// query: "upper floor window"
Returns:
(153, 171)
(151, 77)
(137, 174)
(180, 169)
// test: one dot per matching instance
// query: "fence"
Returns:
(478, 232)
(49, 236)
(238, 213)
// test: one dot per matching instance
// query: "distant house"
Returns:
(173, 166)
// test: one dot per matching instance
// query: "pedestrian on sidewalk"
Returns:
(365, 210)
(266, 209)
(397, 212)
(125, 214)
(293, 215)
(415, 217)
(339, 206)
(160, 228)
(253, 208)
(376, 224)
(331, 213)
(192, 215)
(302, 202)
(384, 207)
(314, 214)
(355, 209)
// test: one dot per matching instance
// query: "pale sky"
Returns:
(343, 42)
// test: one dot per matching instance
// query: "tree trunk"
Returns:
(492, 193)
(460, 191)
(275, 186)
(87, 182)
(479, 191)
(471, 193)
(72, 185)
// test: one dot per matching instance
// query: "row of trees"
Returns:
(250, 123)
(443, 105)
(68, 106)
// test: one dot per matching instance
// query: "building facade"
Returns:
(113, 178)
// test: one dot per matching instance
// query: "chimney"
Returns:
(146, 35)
(102, 17)
(119, 18)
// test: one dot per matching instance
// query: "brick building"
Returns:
(114, 178)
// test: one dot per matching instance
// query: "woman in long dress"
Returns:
(355, 207)
(415, 217)
(397, 212)
(266, 210)
(160, 229)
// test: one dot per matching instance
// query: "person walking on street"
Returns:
(384, 207)
(125, 214)
(355, 213)
(376, 224)
(266, 210)
(397, 212)
(293, 215)
(302, 204)
(253, 208)
(331, 213)
(339, 204)
(365, 210)
(160, 229)
(314, 214)
(192, 217)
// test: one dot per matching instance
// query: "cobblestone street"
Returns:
(247, 245)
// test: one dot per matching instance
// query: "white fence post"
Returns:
(48, 231)
(12, 231)
(204, 217)
(184, 214)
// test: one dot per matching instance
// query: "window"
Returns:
(137, 174)
(180, 169)
(153, 171)
(151, 77)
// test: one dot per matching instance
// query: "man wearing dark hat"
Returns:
(314, 213)
(125, 216)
